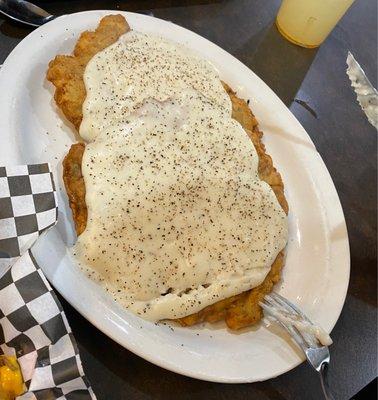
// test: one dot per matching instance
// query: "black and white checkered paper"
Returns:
(33, 325)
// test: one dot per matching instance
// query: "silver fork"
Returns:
(292, 319)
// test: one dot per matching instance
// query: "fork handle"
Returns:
(324, 382)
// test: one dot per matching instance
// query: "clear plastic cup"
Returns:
(307, 23)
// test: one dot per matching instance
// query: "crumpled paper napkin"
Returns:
(33, 326)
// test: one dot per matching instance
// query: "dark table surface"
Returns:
(343, 137)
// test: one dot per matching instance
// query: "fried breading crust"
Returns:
(75, 186)
(66, 72)
(238, 311)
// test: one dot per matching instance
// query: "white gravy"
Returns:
(177, 215)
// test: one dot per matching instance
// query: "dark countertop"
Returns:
(343, 137)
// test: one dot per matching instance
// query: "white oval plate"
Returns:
(316, 274)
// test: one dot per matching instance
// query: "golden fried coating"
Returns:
(238, 311)
(75, 186)
(66, 72)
